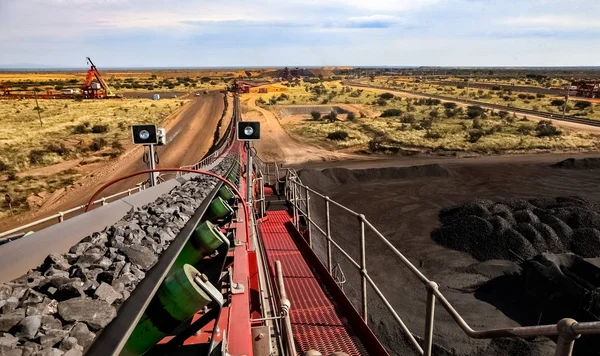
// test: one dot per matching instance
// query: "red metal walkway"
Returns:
(315, 321)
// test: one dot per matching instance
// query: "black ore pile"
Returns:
(519, 229)
(58, 308)
(584, 163)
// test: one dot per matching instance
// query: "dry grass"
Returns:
(511, 99)
(66, 135)
(450, 134)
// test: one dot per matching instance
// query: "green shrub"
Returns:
(117, 145)
(450, 105)
(408, 118)
(524, 129)
(433, 135)
(97, 144)
(36, 156)
(381, 102)
(475, 111)
(351, 116)
(582, 104)
(426, 124)
(58, 148)
(331, 117)
(338, 135)
(557, 102)
(477, 124)
(386, 96)
(315, 115)
(545, 128)
(99, 129)
(391, 112)
(540, 95)
(4, 167)
(474, 135)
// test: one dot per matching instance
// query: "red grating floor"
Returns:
(315, 321)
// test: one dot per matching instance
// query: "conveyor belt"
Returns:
(316, 321)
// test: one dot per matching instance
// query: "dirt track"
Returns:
(405, 211)
(190, 134)
(276, 145)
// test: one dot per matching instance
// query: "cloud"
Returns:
(372, 21)
(553, 22)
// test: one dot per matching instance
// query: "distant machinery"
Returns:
(586, 89)
(96, 89)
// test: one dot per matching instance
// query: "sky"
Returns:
(198, 33)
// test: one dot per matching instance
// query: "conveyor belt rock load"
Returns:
(60, 307)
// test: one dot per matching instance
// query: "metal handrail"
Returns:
(566, 329)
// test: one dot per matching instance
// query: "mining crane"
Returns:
(98, 89)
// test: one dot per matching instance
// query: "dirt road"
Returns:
(190, 134)
(276, 145)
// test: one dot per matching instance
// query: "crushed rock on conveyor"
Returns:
(59, 307)
(519, 229)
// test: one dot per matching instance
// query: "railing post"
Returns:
(104, 201)
(294, 203)
(310, 242)
(327, 218)
(363, 267)
(61, 216)
(429, 318)
(566, 337)
(128, 192)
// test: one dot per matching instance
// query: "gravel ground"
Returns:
(58, 308)
(407, 210)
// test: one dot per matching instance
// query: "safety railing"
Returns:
(61, 215)
(300, 197)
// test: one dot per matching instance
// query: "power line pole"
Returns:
(37, 107)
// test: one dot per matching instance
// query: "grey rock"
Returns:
(10, 319)
(32, 297)
(51, 352)
(80, 248)
(51, 272)
(72, 257)
(47, 306)
(141, 256)
(83, 335)
(106, 276)
(103, 263)
(5, 291)
(10, 304)
(29, 326)
(52, 337)
(49, 323)
(8, 340)
(95, 313)
(10, 351)
(70, 343)
(137, 273)
(57, 261)
(127, 279)
(78, 271)
(71, 289)
(89, 258)
(90, 287)
(19, 291)
(126, 269)
(73, 352)
(118, 267)
(107, 293)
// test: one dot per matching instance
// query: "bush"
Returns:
(350, 116)
(97, 144)
(450, 113)
(522, 96)
(338, 135)
(475, 111)
(408, 119)
(58, 148)
(474, 135)
(80, 129)
(391, 112)
(117, 145)
(540, 95)
(524, 129)
(545, 128)
(381, 102)
(386, 96)
(557, 102)
(315, 115)
(4, 167)
(426, 124)
(477, 124)
(450, 105)
(434, 114)
(331, 117)
(99, 129)
(582, 104)
(433, 135)
(36, 156)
